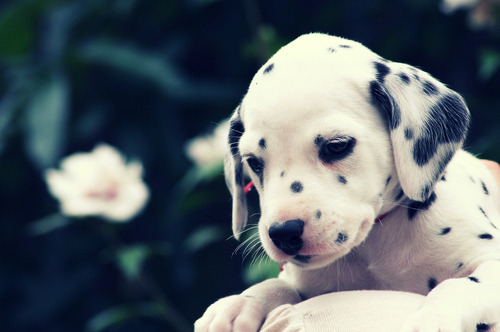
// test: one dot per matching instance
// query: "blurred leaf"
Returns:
(135, 62)
(18, 26)
(154, 68)
(260, 269)
(203, 237)
(489, 64)
(123, 8)
(123, 313)
(8, 105)
(130, 259)
(265, 43)
(48, 224)
(202, 3)
(46, 120)
(58, 24)
(197, 175)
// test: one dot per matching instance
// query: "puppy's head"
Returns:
(332, 135)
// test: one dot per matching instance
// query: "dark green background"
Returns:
(145, 76)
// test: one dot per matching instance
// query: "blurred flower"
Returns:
(98, 183)
(209, 149)
(482, 12)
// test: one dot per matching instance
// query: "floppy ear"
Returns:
(233, 170)
(428, 123)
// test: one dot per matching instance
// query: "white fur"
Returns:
(313, 91)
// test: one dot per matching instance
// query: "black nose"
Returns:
(286, 236)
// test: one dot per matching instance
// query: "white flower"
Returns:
(482, 13)
(98, 183)
(449, 6)
(207, 150)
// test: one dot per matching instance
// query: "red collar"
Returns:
(248, 187)
(382, 216)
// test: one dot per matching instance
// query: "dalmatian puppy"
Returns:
(362, 184)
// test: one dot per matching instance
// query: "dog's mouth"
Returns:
(304, 259)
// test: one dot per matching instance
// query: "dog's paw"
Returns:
(237, 313)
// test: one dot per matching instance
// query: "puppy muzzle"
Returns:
(287, 236)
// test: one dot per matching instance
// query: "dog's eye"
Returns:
(336, 149)
(256, 164)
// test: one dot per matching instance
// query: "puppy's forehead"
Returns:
(308, 76)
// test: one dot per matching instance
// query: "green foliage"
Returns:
(260, 270)
(489, 63)
(145, 77)
(45, 122)
(119, 315)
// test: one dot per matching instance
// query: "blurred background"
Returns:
(146, 77)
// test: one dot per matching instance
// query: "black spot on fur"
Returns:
(318, 141)
(445, 231)
(262, 143)
(269, 68)
(415, 207)
(482, 327)
(429, 88)
(408, 133)
(341, 238)
(331, 49)
(486, 216)
(425, 192)
(236, 129)
(386, 104)
(460, 265)
(399, 195)
(484, 213)
(296, 187)
(282, 174)
(388, 180)
(447, 122)
(443, 177)
(486, 236)
(238, 174)
(471, 278)
(404, 78)
(318, 214)
(341, 179)
(345, 46)
(382, 71)
(431, 283)
(484, 188)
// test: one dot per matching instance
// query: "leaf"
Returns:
(135, 62)
(46, 120)
(203, 237)
(197, 175)
(154, 68)
(8, 105)
(48, 224)
(259, 270)
(123, 313)
(18, 27)
(489, 64)
(131, 259)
